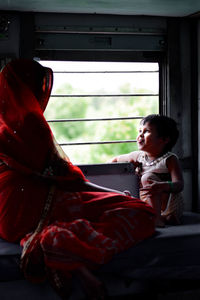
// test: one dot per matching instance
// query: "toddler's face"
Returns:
(148, 139)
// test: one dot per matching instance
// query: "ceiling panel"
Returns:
(174, 8)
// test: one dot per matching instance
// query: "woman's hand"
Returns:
(127, 193)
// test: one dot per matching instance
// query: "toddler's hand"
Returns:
(137, 165)
(114, 159)
(153, 187)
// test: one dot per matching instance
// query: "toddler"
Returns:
(160, 173)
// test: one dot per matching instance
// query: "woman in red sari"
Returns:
(66, 224)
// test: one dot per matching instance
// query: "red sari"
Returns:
(59, 230)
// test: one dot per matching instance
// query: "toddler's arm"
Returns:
(129, 157)
(176, 174)
(152, 186)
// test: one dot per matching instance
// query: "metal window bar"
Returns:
(97, 143)
(99, 95)
(93, 119)
(103, 72)
(102, 95)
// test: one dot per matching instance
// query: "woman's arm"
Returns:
(87, 186)
(91, 187)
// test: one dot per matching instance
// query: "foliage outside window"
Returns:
(100, 90)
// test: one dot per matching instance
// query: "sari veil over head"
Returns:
(26, 140)
(22, 125)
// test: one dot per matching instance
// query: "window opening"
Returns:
(95, 107)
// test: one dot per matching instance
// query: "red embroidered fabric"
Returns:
(79, 228)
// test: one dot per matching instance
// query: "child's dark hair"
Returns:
(166, 128)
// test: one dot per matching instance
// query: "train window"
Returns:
(95, 107)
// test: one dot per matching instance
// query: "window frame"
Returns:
(105, 44)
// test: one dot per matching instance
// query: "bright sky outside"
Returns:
(89, 83)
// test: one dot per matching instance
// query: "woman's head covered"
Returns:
(166, 128)
(25, 136)
(26, 140)
(35, 77)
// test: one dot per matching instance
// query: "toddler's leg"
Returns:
(155, 201)
(174, 209)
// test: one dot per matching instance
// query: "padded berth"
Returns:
(172, 253)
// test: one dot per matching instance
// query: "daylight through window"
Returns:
(95, 107)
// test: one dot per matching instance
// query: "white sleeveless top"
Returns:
(159, 166)
(156, 166)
